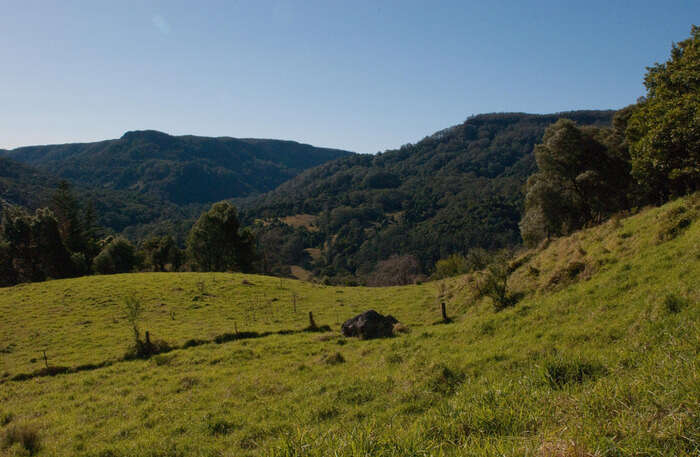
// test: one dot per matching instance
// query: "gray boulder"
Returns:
(369, 324)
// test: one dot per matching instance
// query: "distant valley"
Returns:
(147, 181)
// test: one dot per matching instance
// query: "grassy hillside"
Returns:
(600, 357)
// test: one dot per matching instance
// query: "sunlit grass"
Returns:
(603, 363)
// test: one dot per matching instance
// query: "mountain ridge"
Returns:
(177, 168)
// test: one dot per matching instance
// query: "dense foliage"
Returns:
(180, 169)
(579, 180)
(217, 243)
(454, 191)
(23, 185)
(56, 242)
(63, 242)
(650, 154)
(150, 183)
(664, 130)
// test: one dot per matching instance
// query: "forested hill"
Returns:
(457, 189)
(178, 169)
(23, 185)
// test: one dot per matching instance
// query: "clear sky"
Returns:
(357, 75)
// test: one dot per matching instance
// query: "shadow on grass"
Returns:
(162, 347)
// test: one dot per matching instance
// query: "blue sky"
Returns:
(361, 75)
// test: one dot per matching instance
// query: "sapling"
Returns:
(134, 311)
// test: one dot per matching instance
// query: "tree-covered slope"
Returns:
(179, 169)
(23, 185)
(457, 189)
(126, 210)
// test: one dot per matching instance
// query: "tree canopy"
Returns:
(217, 243)
(664, 130)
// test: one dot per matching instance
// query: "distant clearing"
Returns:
(308, 221)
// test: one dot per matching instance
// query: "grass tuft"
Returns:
(26, 436)
(674, 304)
(560, 372)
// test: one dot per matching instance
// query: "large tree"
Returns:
(76, 224)
(31, 247)
(664, 131)
(217, 242)
(580, 179)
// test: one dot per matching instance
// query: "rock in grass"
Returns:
(369, 324)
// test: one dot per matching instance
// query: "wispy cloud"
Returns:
(161, 24)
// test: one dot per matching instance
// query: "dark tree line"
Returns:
(63, 240)
(55, 242)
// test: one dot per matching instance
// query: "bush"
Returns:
(118, 256)
(454, 265)
(145, 349)
(24, 435)
(674, 223)
(493, 283)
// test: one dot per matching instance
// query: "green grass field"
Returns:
(600, 357)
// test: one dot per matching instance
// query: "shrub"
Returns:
(145, 349)
(493, 283)
(134, 311)
(674, 223)
(24, 435)
(141, 349)
(454, 265)
(118, 256)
